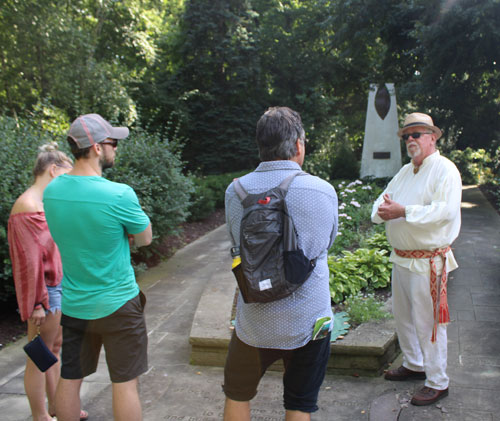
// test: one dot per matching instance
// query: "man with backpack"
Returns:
(293, 324)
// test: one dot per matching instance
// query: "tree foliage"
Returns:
(211, 82)
(83, 55)
(460, 75)
(212, 67)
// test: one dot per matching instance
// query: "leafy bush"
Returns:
(492, 192)
(152, 167)
(362, 269)
(344, 163)
(475, 166)
(358, 259)
(203, 200)
(492, 187)
(147, 163)
(378, 241)
(355, 205)
(18, 150)
(333, 157)
(496, 164)
(362, 308)
(209, 192)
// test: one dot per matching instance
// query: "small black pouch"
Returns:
(242, 283)
(40, 354)
(297, 266)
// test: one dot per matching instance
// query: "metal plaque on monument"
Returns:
(381, 146)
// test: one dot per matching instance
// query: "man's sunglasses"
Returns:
(415, 135)
(112, 142)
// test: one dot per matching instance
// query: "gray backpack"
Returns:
(272, 266)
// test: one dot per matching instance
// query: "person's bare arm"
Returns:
(38, 316)
(144, 238)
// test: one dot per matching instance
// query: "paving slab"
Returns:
(174, 389)
(385, 407)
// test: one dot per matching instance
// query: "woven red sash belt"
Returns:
(438, 290)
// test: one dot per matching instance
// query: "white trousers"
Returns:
(413, 314)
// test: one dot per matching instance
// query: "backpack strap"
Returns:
(242, 193)
(288, 180)
(284, 185)
(238, 188)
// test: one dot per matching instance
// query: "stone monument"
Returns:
(381, 146)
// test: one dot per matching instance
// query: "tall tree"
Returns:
(82, 54)
(459, 79)
(214, 75)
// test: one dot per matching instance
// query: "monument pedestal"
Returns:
(381, 146)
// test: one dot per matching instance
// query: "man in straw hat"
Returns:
(421, 211)
(92, 221)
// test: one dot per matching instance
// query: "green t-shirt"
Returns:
(89, 218)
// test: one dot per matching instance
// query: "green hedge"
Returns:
(209, 193)
(475, 166)
(333, 160)
(18, 150)
(152, 167)
(149, 164)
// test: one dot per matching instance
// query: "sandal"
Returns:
(84, 415)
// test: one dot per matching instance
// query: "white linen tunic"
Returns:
(431, 198)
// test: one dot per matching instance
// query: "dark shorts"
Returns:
(123, 334)
(305, 370)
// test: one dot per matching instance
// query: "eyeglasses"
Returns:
(415, 135)
(112, 142)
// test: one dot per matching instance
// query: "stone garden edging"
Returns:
(364, 351)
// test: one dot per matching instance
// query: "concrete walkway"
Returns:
(175, 390)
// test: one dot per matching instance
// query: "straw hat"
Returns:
(420, 120)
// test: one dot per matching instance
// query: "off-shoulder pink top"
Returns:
(36, 262)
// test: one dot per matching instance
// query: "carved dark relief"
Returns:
(382, 101)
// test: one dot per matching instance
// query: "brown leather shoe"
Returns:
(428, 395)
(403, 373)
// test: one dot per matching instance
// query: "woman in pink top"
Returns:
(37, 271)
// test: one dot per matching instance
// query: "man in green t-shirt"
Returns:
(93, 221)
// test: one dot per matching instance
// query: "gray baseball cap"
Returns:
(89, 129)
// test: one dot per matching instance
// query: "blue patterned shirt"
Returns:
(288, 323)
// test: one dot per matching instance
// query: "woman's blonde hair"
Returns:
(48, 155)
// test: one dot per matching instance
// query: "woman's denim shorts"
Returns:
(55, 295)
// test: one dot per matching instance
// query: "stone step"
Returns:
(364, 351)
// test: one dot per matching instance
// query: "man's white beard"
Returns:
(414, 152)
